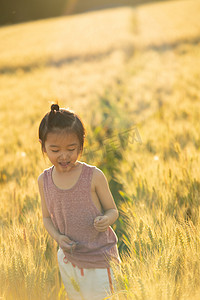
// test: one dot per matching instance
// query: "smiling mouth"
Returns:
(64, 164)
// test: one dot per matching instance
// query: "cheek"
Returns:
(76, 153)
(51, 154)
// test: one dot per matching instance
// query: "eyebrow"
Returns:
(55, 146)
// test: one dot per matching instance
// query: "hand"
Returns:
(101, 223)
(66, 243)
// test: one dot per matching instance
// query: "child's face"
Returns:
(62, 149)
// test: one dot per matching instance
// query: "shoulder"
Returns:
(95, 169)
(41, 179)
(86, 165)
(98, 173)
(42, 175)
(99, 177)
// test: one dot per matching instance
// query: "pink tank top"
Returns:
(73, 212)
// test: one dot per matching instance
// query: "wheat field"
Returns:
(130, 69)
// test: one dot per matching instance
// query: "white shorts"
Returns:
(85, 284)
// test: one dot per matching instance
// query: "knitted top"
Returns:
(73, 212)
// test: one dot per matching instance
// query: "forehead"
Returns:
(62, 138)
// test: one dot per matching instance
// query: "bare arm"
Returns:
(111, 214)
(64, 242)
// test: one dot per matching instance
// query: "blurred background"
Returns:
(22, 10)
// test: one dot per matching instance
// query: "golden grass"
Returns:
(116, 68)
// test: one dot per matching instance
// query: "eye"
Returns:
(54, 150)
(71, 149)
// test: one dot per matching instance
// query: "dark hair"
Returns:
(61, 119)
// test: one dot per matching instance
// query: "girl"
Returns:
(78, 208)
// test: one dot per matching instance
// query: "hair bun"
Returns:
(54, 107)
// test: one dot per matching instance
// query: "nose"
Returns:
(64, 155)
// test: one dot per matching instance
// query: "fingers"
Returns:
(67, 244)
(66, 239)
(101, 223)
(99, 220)
(69, 247)
(101, 229)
